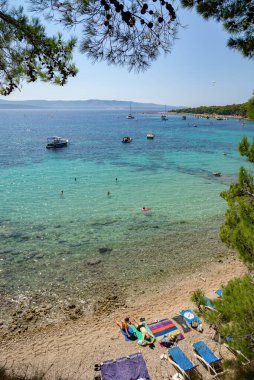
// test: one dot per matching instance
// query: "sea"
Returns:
(71, 220)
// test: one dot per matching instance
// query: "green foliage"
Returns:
(197, 298)
(250, 108)
(247, 149)
(244, 146)
(234, 315)
(27, 54)
(236, 17)
(233, 109)
(239, 372)
(126, 33)
(238, 228)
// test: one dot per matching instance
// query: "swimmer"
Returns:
(62, 194)
(75, 179)
(116, 179)
(109, 194)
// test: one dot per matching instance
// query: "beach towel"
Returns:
(130, 331)
(131, 367)
(139, 334)
(189, 316)
(180, 319)
(163, 327)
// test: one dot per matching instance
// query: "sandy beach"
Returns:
(69, 350)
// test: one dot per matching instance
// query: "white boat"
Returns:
(150, 136)
(130, 116)
(164, 115)
(56, 142)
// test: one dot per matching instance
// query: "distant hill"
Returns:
(91, 104)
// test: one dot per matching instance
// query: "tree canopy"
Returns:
(250, 107)
(231, 109)
(128, 33)
(238, 228)
(236, 16)
(28, 54)
(233, 317)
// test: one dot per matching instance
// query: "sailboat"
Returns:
(130, 116)
(164, 115)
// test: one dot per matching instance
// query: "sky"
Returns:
(185, 77)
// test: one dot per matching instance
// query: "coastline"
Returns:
(69, 349)
(198, 115)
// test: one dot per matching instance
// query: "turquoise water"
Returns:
(47, 241)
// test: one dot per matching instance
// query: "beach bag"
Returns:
(194, 324)
(166, 342)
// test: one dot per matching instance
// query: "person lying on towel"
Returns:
(147, 338)
(125, 327)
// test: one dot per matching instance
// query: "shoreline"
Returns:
(71, 348)
(198, 115)
(98, 284)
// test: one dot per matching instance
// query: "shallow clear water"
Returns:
(46, 241)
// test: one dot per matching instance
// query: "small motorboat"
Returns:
(56, 142)
(126, 139)
(217, 174)
(150, 136)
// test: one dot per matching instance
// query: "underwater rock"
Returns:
(93, 261)
(105, 250)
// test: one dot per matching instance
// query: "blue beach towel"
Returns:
(189, 316)
(130, 331)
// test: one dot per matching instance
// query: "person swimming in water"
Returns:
(108, 194)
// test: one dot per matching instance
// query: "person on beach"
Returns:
(147, 337)
(124, 325)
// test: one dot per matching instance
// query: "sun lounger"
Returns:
(237, 353)
(130, 367)
(219, 292)
(181, 321)
(163, 327)
(180, 361)
(208, 303)
(189, 316)
(208, 358)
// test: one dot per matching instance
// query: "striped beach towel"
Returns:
(163, 327)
